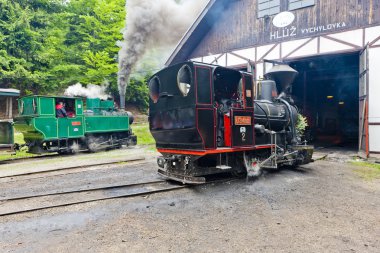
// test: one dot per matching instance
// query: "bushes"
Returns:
(136, 93)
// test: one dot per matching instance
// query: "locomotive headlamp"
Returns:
(330, 97)
(154, 89)
(184, 80)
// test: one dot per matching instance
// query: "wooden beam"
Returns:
(241, 57)
(374, 41)
(299, 47)
(341, 41)
(268, 52)
(216, 59)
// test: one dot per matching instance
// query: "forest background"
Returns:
(48, 45)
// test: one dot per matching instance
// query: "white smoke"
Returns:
(91, 91)
(152, 24)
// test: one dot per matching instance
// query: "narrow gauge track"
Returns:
(36, 157)
(70, 168)
(79, 190)
(61, 199)
(21, 159)
(12, 206)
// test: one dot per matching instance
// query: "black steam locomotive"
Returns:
(208, 119)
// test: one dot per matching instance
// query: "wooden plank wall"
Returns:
(3, 107)
(238, 26)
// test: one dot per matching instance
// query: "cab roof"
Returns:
(63, 97)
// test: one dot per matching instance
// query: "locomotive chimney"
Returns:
(283, 75)
(122, 90)
(122, 100)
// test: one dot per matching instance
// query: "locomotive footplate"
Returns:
(182, 178)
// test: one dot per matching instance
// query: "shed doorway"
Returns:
(326, 91)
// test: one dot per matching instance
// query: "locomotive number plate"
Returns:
(76, 123)
(243, 120)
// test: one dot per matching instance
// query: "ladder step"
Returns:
(223, 167)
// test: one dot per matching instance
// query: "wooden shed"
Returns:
(7, 102)
(333, 44)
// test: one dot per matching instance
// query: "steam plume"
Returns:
(91, 91)
(152, 24)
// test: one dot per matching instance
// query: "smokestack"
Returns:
(152, 24)
(283, 75)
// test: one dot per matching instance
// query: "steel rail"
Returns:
(169, 187)
(81, 190)
(21, 159)
(127, 195)
(74, 167)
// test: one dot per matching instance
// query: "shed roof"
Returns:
(197, 31)
(9, 92)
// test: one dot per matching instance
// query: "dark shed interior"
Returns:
(326, 92)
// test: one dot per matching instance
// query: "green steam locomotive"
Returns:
(69, 125)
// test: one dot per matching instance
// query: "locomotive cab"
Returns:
(233, 104)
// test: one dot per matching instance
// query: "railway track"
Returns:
(22, 204)
(22, 159)
(65, 170)
(36, 157)
(42, 201)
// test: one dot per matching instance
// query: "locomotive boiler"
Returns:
(209, 119)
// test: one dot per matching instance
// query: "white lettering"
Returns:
(272, 35)
(285, 32)
(292, 31)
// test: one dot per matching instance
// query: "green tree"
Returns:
(47, 45)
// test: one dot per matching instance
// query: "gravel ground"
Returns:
(322, 207)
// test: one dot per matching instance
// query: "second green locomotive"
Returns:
(92, 126)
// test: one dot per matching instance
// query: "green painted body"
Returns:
(6, 137)
(101, 124)
(38, 122)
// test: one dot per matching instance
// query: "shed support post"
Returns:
(10, 108)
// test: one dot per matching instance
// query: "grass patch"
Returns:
(143, 134)
(151, 148)
(366, 170)
(18, 138)
(19, 154)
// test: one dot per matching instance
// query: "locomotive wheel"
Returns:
(92, 144)
(239, 172)
(62, 152)
(251, 165)
(93, 147)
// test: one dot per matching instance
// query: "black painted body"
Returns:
(206, 120)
